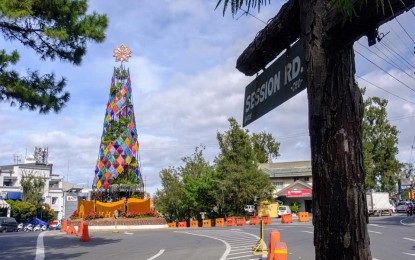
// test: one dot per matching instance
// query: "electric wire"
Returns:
(391, 49)
(396, 18)
(403, 83)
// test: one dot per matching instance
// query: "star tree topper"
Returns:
(122, 53)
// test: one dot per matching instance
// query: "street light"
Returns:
(223, 194)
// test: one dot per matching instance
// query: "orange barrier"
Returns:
(64, 225)
(85, 233)
(182, 224)
(274, 237)
(230, 222)
(194, 223)
(71, 229)
(303, 217)
(286, 218)
(280, 251)
(266, 220)
(80, 228)
(219, 222)
(241, 221)
(207, 223)
(171, 225)
(254, 220)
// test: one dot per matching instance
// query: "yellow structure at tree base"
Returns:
(106, 209)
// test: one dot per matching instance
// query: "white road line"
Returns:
(40, 249)
(374, 232)
(376, 225)
(128, 233)
(408, 238)
(157, 255)
(307, 232)
(228, 247)
(408, 254)
(236, 257)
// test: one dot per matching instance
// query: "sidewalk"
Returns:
(408, 221)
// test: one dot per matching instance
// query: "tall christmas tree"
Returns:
(118, 161)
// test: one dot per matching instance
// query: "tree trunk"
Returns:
(335, 125)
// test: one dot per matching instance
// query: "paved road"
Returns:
(391, 238)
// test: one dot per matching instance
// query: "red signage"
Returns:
(298, 193)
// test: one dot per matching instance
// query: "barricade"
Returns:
(219, 222)
(286, 218)
(266, 220)
(280, 251)
(303, 217)
(254, 220)
(207, 223)
(80, 228)
(230, 222)
(71, 229)
(241, 221)
(194, 223)
(64, 225)
(85, 233)
(171, 225)
(274, 237)
(182, 224)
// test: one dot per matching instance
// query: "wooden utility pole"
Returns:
(335, 110)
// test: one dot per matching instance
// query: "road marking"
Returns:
(375, 232)
(376, 225)
(408, 254)
(307, 232)
(40, 249)
(157, 255)
(408, 238)
(228, 247)
(127, 233)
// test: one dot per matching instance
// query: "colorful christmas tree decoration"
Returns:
(118, 151)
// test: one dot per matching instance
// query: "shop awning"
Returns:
(4, 204)
(13, 195)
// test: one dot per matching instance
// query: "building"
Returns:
(11, 175)
(292, 182)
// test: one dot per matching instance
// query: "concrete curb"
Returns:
(127, 227)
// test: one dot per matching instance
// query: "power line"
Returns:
(385, 71)
(246, 13)
(360, 77)
(390, 49)
(396, 18)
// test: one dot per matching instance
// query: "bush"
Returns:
(142, 214)
(92, 215)
(295, 207)
(74, 215)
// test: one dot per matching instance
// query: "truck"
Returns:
(379, 203)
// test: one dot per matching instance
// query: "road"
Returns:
(390, 239)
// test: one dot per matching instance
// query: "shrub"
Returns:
(142, 214)
(92, 215)
(74, 215)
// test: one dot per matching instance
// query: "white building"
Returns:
(11, 175)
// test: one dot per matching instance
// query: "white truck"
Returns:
(378, 203)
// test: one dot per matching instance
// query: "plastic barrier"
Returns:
(240, 221)
(64, 225)
(254, 220)
(303, 217)
(171, 225)
(194, 223)
(85, 233)
(286, 218)
(280, 251)
(274, 237)
(219, 222)
(266, 220)
(230, 222)
(71, 229)
(182, 224)
(80, 228)
(207, 223)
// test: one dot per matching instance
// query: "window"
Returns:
(278, 184)
(296, 178)
(54, 200)
(306, 178)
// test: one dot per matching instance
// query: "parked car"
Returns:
(8, 224)
(54, 225)
(401, 207)
(250, 209)
(284, 209)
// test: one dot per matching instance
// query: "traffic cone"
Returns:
(64, 225)
(80, 228)
(71, 229)
(85, 235)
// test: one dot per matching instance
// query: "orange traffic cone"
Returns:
(64, 225)
(71, 229)
(80, 228)
(85, 235)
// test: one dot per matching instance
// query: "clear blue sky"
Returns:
(185, 87)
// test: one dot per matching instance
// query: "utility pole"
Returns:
(335, 106)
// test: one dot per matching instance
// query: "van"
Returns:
(250, 209)
(284, 209)
(8, 224)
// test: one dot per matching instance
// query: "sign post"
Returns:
(285, 78)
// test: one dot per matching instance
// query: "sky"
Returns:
(186, 87)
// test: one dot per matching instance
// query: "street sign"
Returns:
(285, 78)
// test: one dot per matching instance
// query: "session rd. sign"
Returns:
(285, 78)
